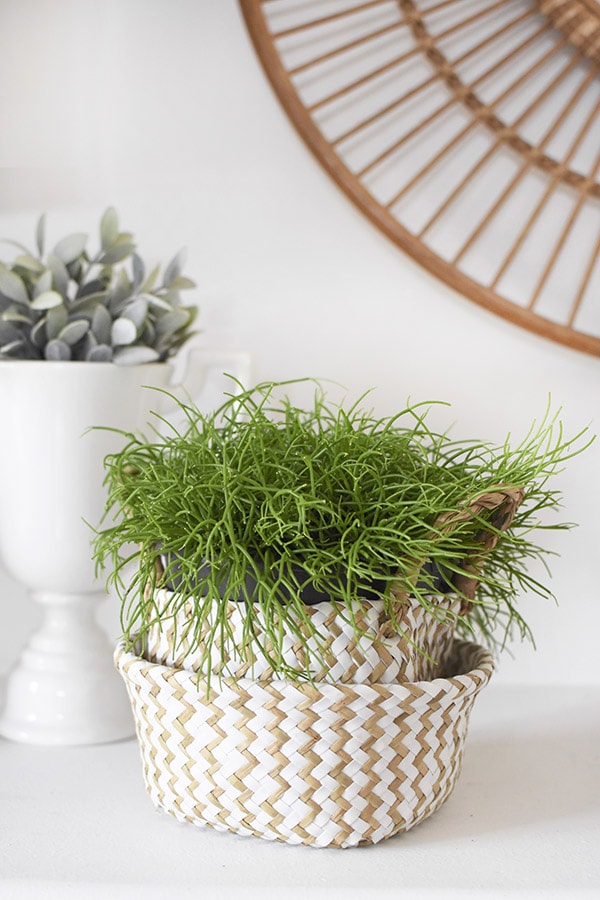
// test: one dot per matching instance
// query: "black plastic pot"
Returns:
(368, 589)
(309, 594)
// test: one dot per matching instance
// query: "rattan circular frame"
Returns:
(327, 60)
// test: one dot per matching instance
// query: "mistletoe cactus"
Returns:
(260, 503)
(71, 304)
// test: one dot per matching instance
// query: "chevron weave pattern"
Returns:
(326, 765)
(380, 656)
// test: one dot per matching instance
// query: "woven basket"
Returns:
(380, 656)
(417, 649)
(325, 765)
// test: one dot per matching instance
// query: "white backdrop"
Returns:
(160, 108)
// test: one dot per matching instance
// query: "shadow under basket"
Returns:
(327, 765)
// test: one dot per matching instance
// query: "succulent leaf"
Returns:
(13, 348)
(87, 304)
(74, 269)
(101, 353)
(137, 311)
(86, 345)
(47, 300)
(134, 356)
(123, 332)
(74, 331)
(158, 302)
(109, 228)
(26, 261)
(116, 253)
(60, 275)
(44, 283)
(57, 351)
(38, 334)
(12, 286)
(175, 267)
(121, 292)
(150, 281)
(101, 324)
(70, 247)
(17, 314)
(16, 244)
(40, 234)
(172, 322)
(148, 335)
(139, 271)
(182, 283)
(56, 320)
(95, 286)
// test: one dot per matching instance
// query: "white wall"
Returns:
(160, 108)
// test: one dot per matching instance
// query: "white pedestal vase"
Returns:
(63, 688)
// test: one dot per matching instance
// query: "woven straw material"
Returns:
(325, 765)
(380, 656)
(579, 21)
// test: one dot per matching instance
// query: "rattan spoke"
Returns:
(473, 51)
(381, 70)
(589, 269)
(345, 48)
(326, 20)
(528, 161)
(474, 122)
(546, 196)
(560, 243)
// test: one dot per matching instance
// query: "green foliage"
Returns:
(68, 304)
(329, 496)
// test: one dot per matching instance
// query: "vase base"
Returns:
(90, 708)
(87, 717)
(48, 737)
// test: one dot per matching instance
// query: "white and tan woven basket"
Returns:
(328, 765)
(380, 655)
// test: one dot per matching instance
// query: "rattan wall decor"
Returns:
(468, 131)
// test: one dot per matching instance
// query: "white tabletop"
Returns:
(524, 821)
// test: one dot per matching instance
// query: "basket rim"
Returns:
(460, 685)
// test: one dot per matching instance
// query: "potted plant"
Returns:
(70, 304)
(81, 332)
(298, 628)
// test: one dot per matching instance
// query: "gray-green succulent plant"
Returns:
(68, 304)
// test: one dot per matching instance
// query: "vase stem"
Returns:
(63, 689)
